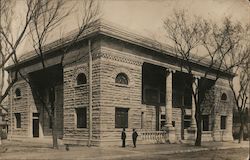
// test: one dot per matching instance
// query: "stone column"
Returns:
(168, 110)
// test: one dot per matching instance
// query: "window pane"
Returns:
(205, 120)
(224, 97)
(81, 117)
(81, 79)
(121, 78)
(18, 92)
(121, 118)
(223, 122)
(18, 120)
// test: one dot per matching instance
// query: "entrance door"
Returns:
(35, 125)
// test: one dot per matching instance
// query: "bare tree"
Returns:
(190, 35)
(10, 40)
(9, 44)
(44, 22)
(42, 18)
(240, 87)
(241, 96)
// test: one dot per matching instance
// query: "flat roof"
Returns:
(115, 31)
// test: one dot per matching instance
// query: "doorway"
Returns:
(35, 124)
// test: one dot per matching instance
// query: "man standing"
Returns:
(123, 137)
(134, 137)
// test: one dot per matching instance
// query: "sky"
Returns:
(146, 17)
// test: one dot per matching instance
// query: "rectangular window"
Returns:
(81, 118)
(187, 121)
(223, 122)
(205, 123)
(121, 117)
(173, 123)
(18, 120)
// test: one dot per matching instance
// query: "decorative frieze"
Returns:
(120, 56)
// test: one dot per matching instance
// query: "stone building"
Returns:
(113, 79)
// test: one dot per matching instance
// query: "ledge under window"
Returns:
(121, 85)
(80, 85)
(206, 132)
(19, 97)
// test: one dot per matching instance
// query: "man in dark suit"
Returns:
(134, 137)
(123, 137)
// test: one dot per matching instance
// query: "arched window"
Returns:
(18, 92)
(121, 78)
(224, 97)
(81, 79)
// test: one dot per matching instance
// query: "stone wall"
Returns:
(28, 104)
(19, 105)
(74, 97)
(115, 95)
(223, 108)
(77, 97)
(215, 107)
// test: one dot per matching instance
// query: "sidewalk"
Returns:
(27, 150)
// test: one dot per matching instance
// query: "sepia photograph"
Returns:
(124, 79)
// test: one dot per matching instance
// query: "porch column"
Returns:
(168, 110)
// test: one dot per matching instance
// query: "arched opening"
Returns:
(18, 92)
(224, 97)
(81, 79)
(121, 78)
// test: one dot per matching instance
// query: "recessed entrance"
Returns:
(35, 124)
(154, 89)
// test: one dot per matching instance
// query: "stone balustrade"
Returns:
(152, 137)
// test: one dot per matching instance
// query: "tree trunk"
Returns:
(199, 133)
(53, 116)
(198, 125)
(241, 132)
(54, 134)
